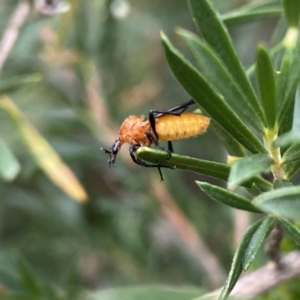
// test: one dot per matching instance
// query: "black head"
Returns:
(113, 151)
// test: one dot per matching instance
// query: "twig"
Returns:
(263, 279)
(10, 35)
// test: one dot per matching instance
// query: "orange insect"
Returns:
(168, 125)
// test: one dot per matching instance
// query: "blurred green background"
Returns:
(93, 66)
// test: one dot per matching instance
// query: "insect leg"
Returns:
(154, 141)
(177, 110)
(170, 147)
(132, 150)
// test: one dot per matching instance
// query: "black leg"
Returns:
(170, 147)
(177, 111)
(154, 141)
(132, 150)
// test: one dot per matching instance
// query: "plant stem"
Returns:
(276, 169)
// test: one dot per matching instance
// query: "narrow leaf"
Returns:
(18, 81)
(209, 101)
(217, 74)
(291, 161)
(237, 18)
(291, 230)
(9, 165)
(237, 263)
(200, 166)
(292, 12)
(228, 198)
(278, 184)
(266, 84)
(292, 137)
(284, 202)
(252, 11)
(293, 80)
(48, 160)
(215, 33)
(246, 167)
(282, 79)
(232, 146)
(257, 239)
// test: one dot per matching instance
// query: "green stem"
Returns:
(270, 137)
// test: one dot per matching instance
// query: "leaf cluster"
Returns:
(261, 122)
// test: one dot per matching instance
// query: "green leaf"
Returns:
(292, 12)
(291, 230)
(18, 81)
(284, 202)
(291, 161)
(145, 292)
(30, 281)
(200, 166)
(9, 165)
(278, 184)
(217, 74)
(293, 136)
(282, 80)
(228, 198)
(237, 263)
(244, 168)
(266, 84)
(209, 101)
(257, 238)
(215, 33)
(252, 11)
(289, 138)
(240, 17)
(232, 146)
(291, 83)
(205, 167)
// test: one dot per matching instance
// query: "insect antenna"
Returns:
(113, 151)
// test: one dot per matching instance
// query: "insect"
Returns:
(166, 125)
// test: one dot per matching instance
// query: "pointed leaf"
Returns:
(293, 136)
(145, 292)
(237, 263)
(30, 281)
(292, 12)
(232, 146)
(291, 161)
(9, 165)
(209, 168)
(252, 11)
(215, 33)
(292, 82)
(291, 230)
(48, 160)
(278, 184)
(281, 81)
(284, 202)
(257, 239)
(226, 197)
(209, 101)
(246, 167)
(200, 166)
(266, 84)
(217, 74)
(236, 18)
(18, 81)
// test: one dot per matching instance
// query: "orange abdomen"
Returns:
(170, 127)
